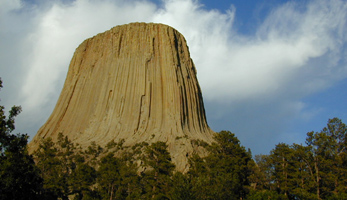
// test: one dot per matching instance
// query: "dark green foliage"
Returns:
(265, 195)
(261, 173)
(50, 167)
(328, 158)
(182, 187)
(282, 162)
(315, 171)
(230, 159)
(109, 177)
(81, 179)
(117, 179)
(92, 154)
(19, 177)
(157, 176)
(65, 169)
(224, 173)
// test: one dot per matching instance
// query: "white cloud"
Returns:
(285, 44)
(298, 50)
(61, 29)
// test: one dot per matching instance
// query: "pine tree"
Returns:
(157, 177)
(282, 161)
(315, 171)
(19, 177)
(81, 180)
(224, 173)
(328, 151)
(181, 188)
(54, 183)
(117, 179)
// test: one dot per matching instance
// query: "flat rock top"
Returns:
(135, 82)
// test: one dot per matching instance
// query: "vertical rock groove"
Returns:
(131, 82)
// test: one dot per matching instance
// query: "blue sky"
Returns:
(270, 71)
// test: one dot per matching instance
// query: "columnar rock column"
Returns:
(135, 82)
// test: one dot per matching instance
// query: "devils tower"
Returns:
(135, 82)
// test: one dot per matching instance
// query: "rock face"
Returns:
(135, 82)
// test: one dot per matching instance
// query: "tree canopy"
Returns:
(316, 170)
(19, 176)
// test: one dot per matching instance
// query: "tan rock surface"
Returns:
(135, 82)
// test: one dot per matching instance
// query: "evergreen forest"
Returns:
(63, 170)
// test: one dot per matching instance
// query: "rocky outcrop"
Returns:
(135, 82)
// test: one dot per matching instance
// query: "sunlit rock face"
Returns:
(135, 82)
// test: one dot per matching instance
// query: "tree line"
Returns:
(315, 170)
(64, 170)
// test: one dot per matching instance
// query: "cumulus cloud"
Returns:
(61, 29)
(284, 47)
(252, 84)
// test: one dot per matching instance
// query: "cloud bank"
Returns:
(252, 84)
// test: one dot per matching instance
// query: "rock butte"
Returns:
(135, 82)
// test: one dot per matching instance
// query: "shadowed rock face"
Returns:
(135, 82)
